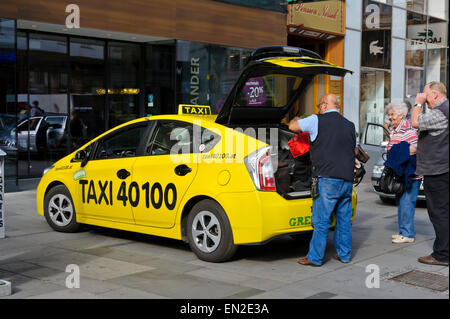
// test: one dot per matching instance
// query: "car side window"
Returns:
(178, 137)
(33, 124)
(56, 121)
(375, 135)
(122, 144)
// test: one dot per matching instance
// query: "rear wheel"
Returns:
(209, 232)
(59, 210)
(387, 200)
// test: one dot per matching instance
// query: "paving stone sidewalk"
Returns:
(120, 265)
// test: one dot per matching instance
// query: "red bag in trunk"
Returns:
(299, 144)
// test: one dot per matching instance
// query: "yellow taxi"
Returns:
(214, 181)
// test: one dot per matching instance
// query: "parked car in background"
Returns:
(47, 132)
(374, 140)
(7, 123)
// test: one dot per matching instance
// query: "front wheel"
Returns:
(209, 232)
(59, 210)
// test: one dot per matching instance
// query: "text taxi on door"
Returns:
(215, 181)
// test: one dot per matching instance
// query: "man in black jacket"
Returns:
(433, 164)
(332, 149)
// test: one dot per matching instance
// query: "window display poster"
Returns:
(376, 49)
(254, 92)
(376, 35)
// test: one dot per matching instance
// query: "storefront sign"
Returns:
(435, 35)
(320, 16)
(195, 80)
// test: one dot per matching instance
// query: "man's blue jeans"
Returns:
(335, 195)
(406, 204)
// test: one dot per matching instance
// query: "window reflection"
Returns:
(206, 73)
(87, 114)
(416, 34)
(123, 61)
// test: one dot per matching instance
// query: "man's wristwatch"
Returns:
(418, 104)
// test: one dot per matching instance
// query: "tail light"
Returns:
(260, 167)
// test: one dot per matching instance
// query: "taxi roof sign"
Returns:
(194, 109)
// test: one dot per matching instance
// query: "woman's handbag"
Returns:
(389, 184)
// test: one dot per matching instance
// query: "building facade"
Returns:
(68, 73)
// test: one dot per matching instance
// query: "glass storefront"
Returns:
(375, 63)
(426, 48)
(58, 92)
(206, 73)
(421, 28)
(8, 116)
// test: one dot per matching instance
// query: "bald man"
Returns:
(433, 164)
(332, 148)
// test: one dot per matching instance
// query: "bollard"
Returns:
(5, 288)
(2, 193)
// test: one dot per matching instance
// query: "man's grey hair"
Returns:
(398, 108)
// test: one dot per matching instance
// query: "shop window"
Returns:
(375, 62)
(438, 9)
(416, 5)
(416, 34)
(123, 82)
(159, 79)
(46, 68)
(437, 64)
(374, 96)
(87, 96)
(206, 73)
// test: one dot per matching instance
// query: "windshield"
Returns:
(271, 90)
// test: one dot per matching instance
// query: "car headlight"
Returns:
(46, 170)
(377, 169)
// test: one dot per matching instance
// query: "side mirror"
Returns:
(81, 156)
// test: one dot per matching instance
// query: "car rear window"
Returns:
(271, 90)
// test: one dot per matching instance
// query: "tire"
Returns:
(387, 200)
(209, 232)
(59, 210)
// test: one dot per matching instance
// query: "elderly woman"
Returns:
(402, 131)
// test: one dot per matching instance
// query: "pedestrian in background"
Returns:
(406, 202)
(35, 109)
(332, 150)
(433, 164)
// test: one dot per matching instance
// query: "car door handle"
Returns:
(123, 173)
(182, 170)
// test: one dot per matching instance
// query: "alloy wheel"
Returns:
(60, 210)
(206, 231)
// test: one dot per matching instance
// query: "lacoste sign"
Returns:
(433, 34)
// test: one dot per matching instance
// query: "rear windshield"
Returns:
(271, 90)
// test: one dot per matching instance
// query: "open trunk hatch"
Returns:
(268, 88)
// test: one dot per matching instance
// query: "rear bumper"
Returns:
(257, 217)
